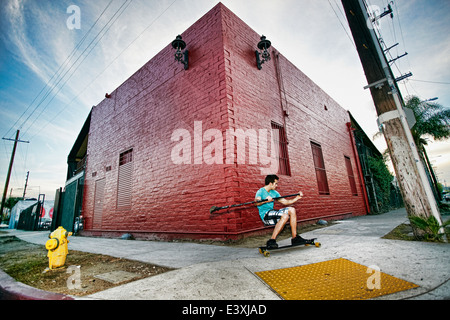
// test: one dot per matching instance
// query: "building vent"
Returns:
(98, 203)
(125, 181)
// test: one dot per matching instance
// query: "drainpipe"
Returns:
(358, 165)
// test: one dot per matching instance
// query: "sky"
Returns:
(59, 58)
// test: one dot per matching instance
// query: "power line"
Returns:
(342, 25)
(427, 81)
(60, 75)
(106, 68)
(399, 23)
(56, 75)
(107, 26)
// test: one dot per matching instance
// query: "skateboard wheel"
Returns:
(318, 244)
(266, 254)
(307, 245)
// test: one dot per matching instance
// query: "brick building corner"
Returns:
(170, 143)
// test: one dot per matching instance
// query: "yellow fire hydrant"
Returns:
(57, 248)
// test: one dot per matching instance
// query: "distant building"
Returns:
(170, 143)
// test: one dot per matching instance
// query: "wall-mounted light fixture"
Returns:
(183, 57)
(263, 45)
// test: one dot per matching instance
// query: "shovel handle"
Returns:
(214, 208)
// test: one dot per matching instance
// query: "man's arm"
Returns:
(269, 199)
(285, 202)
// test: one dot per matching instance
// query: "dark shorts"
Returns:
(271, 218)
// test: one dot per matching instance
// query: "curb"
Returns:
(11, 289)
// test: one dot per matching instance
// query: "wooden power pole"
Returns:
(8, 176)
(26, 184)
(414, 185)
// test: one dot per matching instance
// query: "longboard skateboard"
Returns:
(310, 242)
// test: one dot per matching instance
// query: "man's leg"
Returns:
(279, 226)
(292, 216)
(293, 221)
(296, 239)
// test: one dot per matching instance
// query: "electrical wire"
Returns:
(106, 68)
(74, 66)
(427, 81)
(342, 25)
(100, 36)
(59, 71)
(427, 291)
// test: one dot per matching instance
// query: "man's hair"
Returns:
(271, 179)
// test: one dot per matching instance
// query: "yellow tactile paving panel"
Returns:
(338, 279)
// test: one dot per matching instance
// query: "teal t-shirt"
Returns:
(263, 194)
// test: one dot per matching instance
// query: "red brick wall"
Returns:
(223, 89)
(258, 97)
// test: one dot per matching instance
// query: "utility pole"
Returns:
(26, 184)
(415, 188)
(8, 176)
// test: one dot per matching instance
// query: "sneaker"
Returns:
(298, 241)
(272, 244)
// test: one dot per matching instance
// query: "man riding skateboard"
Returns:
(277, 218)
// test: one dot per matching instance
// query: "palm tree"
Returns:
(432, 120)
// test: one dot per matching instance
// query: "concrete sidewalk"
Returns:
(206, 272)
